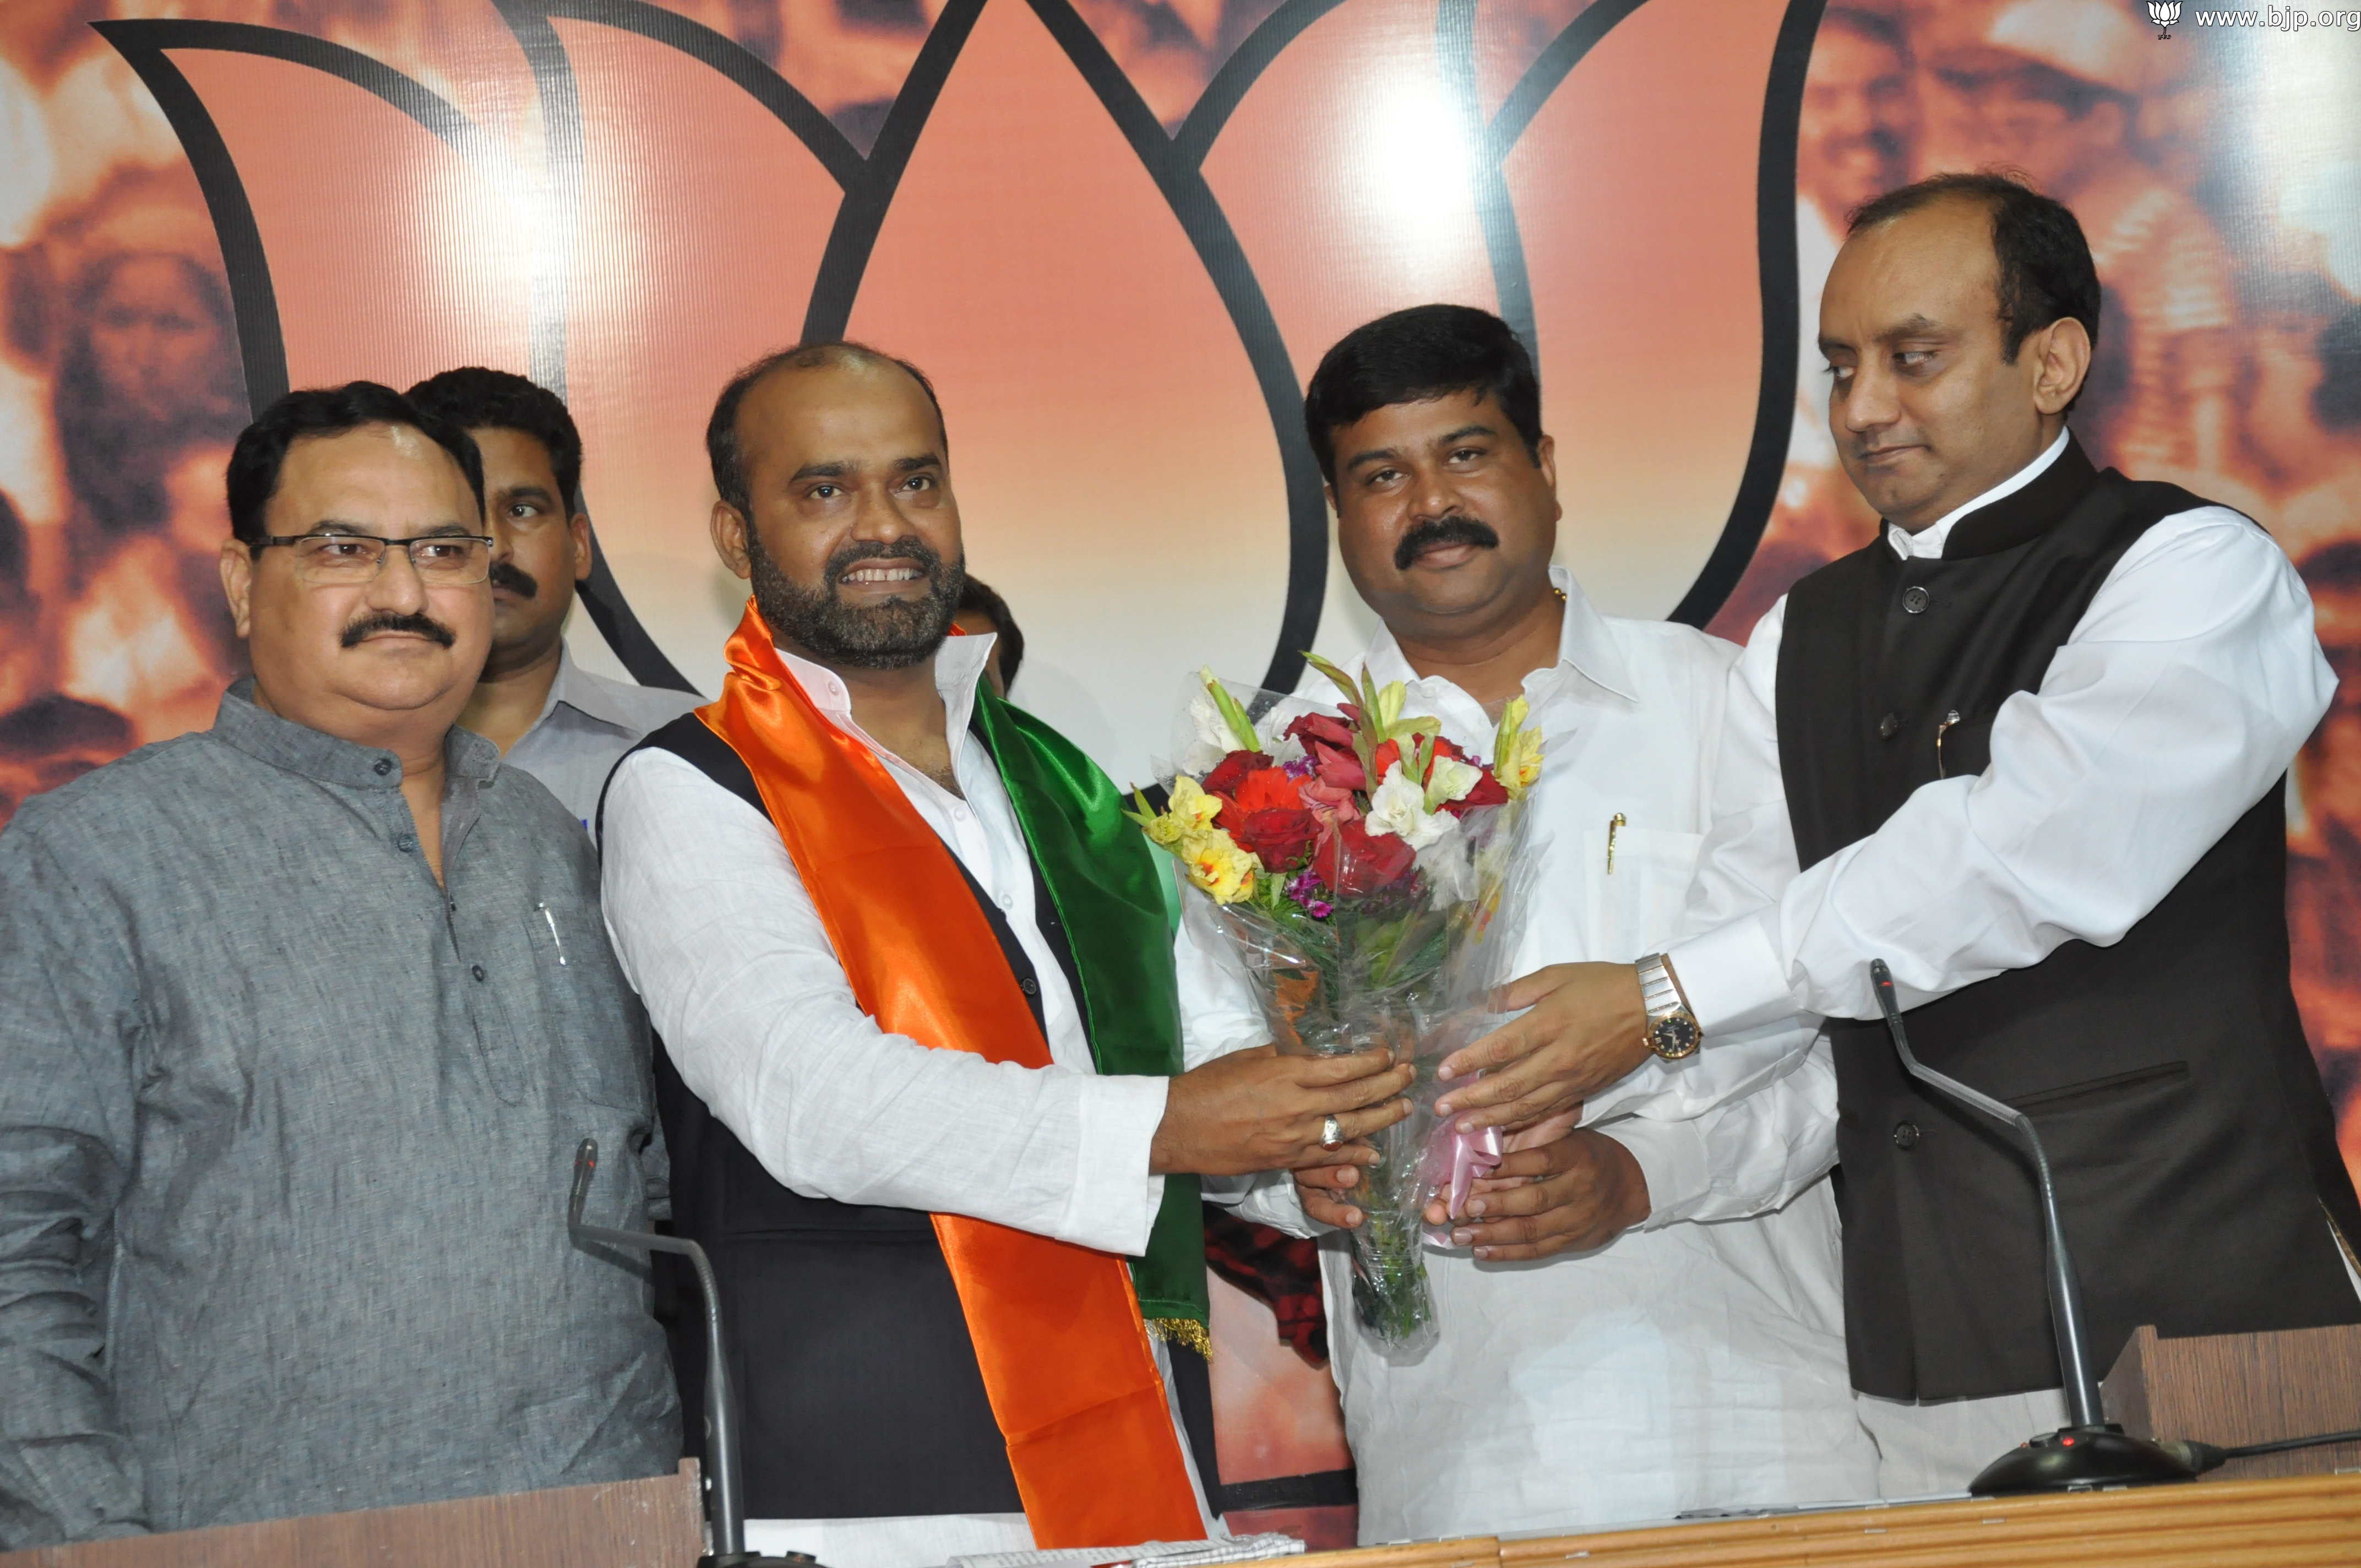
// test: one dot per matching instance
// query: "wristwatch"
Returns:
(1672, 1032)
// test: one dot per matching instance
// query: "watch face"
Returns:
(1676, 1037)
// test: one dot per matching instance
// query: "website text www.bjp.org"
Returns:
(2282, 19)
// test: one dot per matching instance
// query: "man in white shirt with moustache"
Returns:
(896, 1022)
(547, 713)
(2028, 747)
(1674, 1365)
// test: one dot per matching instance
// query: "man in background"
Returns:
(2324, 849)
(982, 611)
(1858, 131)
(306, 1014)
(2054, 88)
(547, 714)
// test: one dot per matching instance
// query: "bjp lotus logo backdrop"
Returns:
(1120, 263)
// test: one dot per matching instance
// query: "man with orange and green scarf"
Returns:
(922, 1076)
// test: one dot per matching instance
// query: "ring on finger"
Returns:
(1332, 1133)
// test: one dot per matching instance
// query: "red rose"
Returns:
(1356, 860)
(1488, 792)
(1233, 771)
(1267, 789)
(1322, 728)
(1282, 838)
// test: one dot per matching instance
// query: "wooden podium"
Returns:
(2308, 1522)
(2233, 1389)
(655, 1523)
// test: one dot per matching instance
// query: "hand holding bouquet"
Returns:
(1352, 866)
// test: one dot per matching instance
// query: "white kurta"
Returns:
(1684, 1366)
(713, 927)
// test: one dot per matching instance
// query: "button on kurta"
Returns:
(478, 971)
(1915, 599)
(1906, 1137)
(405, 843)
(1888, 725)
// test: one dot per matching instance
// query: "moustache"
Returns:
(1453, 529)
(369, 626)
(515, 578)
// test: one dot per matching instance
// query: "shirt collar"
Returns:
(1586, 645)
(315, 754)
(581, 691)
(959, 666)
(1928, 542)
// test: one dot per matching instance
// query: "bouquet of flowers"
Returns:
(1354, 866)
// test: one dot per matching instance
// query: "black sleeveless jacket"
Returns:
(2191, 1139)
(857, 1380)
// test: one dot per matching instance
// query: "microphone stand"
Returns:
(724, 1478)
(2089, 1451)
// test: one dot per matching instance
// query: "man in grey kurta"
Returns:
(286, 1121)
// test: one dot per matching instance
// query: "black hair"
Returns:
(1414, 357)
(722, 449)
(982, 598)
(2046, 270)
(261, 450)
(475, 399)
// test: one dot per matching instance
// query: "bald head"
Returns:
(725, 445)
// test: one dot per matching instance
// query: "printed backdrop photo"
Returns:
(1119, 234)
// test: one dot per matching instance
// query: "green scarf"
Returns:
(1108, 889)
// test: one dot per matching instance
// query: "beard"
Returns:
(890, 635)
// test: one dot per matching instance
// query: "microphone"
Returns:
(729, 1506)
(2089, 1452)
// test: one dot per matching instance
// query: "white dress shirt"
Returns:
(2179, 698)
(586, 723)
(714, 927)
(1683, 1365)
(2177, 702)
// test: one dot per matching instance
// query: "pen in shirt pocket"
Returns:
(555, 939)
(1615, 824)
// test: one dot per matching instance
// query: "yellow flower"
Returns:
(1217, 865)
(1517, 751)
(1191, 810)
(1191, 807)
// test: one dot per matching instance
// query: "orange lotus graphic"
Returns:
(1118, 257)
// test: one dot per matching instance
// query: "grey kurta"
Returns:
(285, 1133)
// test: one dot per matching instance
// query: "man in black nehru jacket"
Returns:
(2028, 747)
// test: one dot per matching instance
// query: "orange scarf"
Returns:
(1058, 1334)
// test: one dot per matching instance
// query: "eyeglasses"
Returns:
(441, 560)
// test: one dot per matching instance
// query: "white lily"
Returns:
(1398, 807)
(1450, 779)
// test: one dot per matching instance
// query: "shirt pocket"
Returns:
(587, 1020)
(1629, 911)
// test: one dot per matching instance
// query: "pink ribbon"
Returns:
(1457, 1161)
